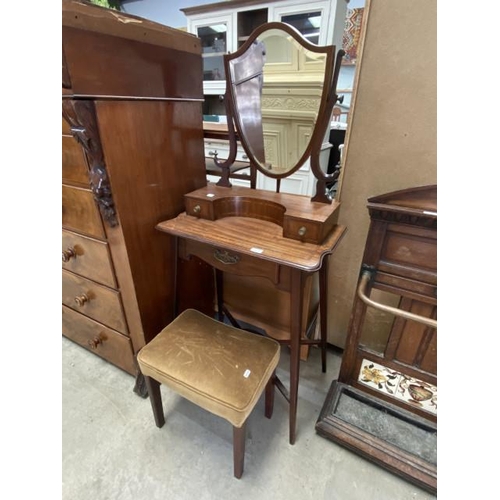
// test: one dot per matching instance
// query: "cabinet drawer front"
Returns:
(74, 166)
(222, 150)
(96, 301)
(236, 263)
(80, 212)
(88, 257)
(97, 338)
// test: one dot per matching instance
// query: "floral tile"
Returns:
(398, 385)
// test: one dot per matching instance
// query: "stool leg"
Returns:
(239, 435)
(270, 396)
(155, 398)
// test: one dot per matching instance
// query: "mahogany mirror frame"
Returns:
(328, 99)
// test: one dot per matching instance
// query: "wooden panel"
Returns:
(429, 360)
(412, 334)
(113, 346)
(96, 301)
(80, 213)
(410, 250)
(111, 66)
(88, 257)
(410, 287)
(258, 302)
(74, 165)
(163, 139)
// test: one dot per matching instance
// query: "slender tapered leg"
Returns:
(323, 304)
(155, 397)
(297, 296)
(270, 396)
(239, 435)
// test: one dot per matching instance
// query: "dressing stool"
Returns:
(215, 366)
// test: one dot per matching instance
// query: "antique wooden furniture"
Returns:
(384, 403)
(219, 368)
(131, 100)
(282, 239)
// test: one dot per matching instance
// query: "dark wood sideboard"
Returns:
(132, 146)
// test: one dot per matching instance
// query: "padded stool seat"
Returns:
(216, 366)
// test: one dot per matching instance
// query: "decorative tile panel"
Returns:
(398, 385)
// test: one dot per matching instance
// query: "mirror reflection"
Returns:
(278, 86)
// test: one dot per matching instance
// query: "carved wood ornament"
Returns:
(82, 120)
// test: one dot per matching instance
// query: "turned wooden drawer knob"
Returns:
(81, 299)
(95, 342)
(302, 231)
(197, 209)
(68, 254)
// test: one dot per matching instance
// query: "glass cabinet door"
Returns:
(214, 45)
(308, 23)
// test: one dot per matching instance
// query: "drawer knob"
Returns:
(95, 342)
(302, 231)
(68, 254)
(81, 299)
(197, 209)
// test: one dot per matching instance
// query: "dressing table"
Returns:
(282, 238)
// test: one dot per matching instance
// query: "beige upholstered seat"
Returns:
(220, 368)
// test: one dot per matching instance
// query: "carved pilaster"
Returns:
(81, 117)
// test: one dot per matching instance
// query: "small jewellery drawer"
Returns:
(74, 165)
(94, 336)
(233, 262)
(88, 257)
(96, 301)
(80, 212)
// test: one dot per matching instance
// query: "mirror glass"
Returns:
(277, 85)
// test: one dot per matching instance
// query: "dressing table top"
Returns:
(255, 237)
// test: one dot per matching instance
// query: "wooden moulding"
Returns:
(301, 219)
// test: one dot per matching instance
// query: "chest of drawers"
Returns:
(132, 146)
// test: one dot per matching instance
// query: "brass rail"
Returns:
(365, 279)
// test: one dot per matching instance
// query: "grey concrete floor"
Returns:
(111, 448)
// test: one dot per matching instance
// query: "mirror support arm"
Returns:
(226, 165)
(322, 178)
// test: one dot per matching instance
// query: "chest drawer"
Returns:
(88, 257)
(94, 336)
(74, 165)
(96, 301)
(80, 212)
